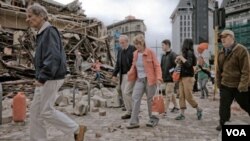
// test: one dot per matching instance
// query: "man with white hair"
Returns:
(50, 66)
(123, 65)
(232, 76)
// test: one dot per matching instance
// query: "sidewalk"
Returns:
(112, 128)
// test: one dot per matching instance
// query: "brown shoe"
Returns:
(126, 116)
(80, 135)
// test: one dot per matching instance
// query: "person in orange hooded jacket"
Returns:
(147, 74)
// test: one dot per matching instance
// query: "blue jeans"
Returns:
(98, 76)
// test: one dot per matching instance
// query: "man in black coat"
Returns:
(123, 64)
(167, 67)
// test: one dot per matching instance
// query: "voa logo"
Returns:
(236, 132)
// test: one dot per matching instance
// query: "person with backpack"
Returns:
(167, 67)
(188, 61)
(203, 72)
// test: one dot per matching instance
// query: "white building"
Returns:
(182, 25)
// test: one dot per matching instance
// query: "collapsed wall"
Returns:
(79, 32)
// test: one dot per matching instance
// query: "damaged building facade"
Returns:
(84, 39)
(79, 33)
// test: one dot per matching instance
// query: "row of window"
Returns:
(184, 17)
(185, 29)
(238, 22)
(185, 35)
(188, 23)
(125, 29)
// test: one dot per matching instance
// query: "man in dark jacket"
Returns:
(50, 65)
(167, 67)
(123, 65)
(232, 76)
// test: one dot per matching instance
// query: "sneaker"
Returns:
(126, 116)
(132, 126)
(199, 114)
(218, 128)
(174, 110)
(180, 117)
(152, 122)
(80, 135)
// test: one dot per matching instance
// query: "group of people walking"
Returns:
(139, 72)
(146, 74)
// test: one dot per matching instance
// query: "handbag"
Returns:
(177, 73)
(158, 106)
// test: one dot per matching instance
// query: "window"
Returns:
(126, 29)
(138, 27)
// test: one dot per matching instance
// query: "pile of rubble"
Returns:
(79, 33)
(84, 39)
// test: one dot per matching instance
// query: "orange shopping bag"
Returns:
(158, 106)
(176, 76)
(177, 73)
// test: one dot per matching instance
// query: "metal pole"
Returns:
(215, 58)
(216, 28)
(1, 97)
(88, 90)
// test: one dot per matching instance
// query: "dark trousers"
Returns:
(227, 95)
(195, 87)
(97, 76)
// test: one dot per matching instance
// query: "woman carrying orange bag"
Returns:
(146, 72)
(188, 61)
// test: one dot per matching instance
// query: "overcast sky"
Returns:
(155, 13)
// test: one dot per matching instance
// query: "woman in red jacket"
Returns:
(146, 72)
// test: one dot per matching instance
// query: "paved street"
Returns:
(112, 128)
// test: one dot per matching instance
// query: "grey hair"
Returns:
(38, 10)
(124, 37)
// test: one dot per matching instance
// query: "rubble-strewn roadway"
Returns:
(112, 128)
